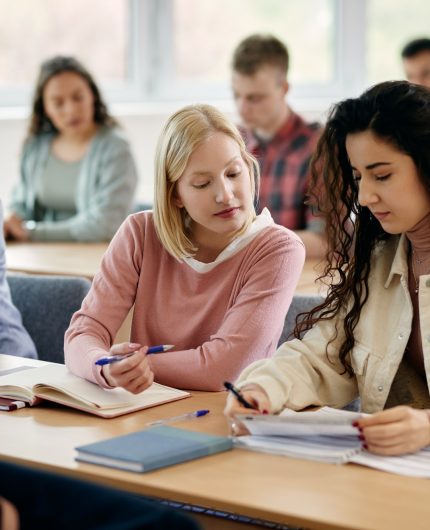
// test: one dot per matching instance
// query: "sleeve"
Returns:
(18, 203)
(14, 339)
(251, 327)
(108, 205)
(302, 373)
(93, 328)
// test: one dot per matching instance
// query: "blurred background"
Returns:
(150, 57)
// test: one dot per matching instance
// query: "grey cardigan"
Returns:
(106, 186)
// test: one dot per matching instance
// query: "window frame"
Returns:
(150, 85)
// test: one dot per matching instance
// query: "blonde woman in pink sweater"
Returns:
(203, 271)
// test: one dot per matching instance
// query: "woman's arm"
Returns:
(251, 327)
(14, 338)
(93, 328)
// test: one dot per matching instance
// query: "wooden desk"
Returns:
(69, 259)
(83, 259)
(275, 488)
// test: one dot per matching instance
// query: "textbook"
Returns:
(325, 435)
(53, 382)
(152, 448)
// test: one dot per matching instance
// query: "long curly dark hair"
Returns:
(398, 113)
(39, 121)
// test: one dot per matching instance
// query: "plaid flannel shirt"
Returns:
(284, 165)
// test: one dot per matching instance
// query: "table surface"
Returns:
(83, 259)
(275, 488)
(69, 259)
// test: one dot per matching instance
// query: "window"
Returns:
(95, 32)
(206, 33)
(169, 50)
(389, 27)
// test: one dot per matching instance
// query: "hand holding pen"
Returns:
(133, 373)
(249, 400)
(115, 358)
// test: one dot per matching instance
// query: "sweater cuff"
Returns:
(273, 389)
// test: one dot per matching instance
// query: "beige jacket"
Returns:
(300, 374)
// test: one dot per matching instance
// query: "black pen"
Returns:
(238, 395)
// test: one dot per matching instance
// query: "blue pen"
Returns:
(115, 358)
(187, 416)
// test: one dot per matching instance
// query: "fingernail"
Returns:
(265, 411)
(365, 446)
(361, 437)
(133, 345)
(355, 423)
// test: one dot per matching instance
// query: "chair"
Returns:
(300, 304)
(46, 304)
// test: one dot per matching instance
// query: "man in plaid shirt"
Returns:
(280, 139)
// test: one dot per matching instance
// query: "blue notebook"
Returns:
(152, 448)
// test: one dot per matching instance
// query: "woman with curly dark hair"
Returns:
(370, 337)
(78, 176)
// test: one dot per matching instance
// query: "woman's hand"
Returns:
(254, 395)
(13, 228)
(396, 431)
(132, 373)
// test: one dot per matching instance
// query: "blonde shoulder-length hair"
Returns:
(184, 131)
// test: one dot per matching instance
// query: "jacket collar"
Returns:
(399, 264)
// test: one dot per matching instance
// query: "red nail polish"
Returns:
(361, 437)
(355, 423)
(265, 411)
(365, 446)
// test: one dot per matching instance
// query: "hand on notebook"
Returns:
(396, 431)
(133, 373)
(254, 395)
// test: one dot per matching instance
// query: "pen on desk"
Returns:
(188, 416)
(115, 358)
(238, 395)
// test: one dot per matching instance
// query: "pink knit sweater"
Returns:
(220, 321)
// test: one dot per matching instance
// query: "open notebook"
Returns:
(325, 435)
(53, 382)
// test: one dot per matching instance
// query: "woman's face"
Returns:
(388, 182)
(69, 103)
(215, 190)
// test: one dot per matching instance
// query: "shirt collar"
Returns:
(260, 222)
(282, 134)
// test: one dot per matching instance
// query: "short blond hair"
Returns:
(184, 131)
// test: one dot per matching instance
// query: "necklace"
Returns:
(418, 261)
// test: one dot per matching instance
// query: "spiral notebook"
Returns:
(325, 435)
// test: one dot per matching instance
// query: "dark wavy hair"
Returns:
(39, 121)
(398, 113)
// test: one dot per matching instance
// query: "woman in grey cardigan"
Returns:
(78, 176)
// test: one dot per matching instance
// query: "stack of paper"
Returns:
(326, 435)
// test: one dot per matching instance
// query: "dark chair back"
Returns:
(301, 303)
(47, 304)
